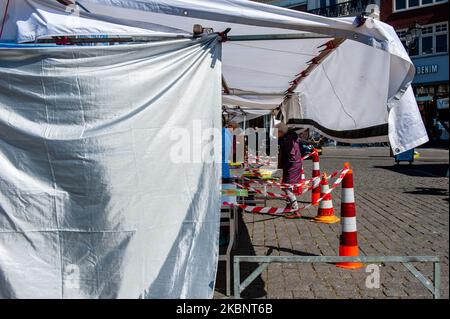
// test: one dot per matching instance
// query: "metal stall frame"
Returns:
(228, 218)
(264, 261)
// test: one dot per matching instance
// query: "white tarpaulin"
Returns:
(356, 94)
(92, 204)
(27, 21)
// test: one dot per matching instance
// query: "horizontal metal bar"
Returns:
(264, 37)
(428, 284)
(333, 259)
(405, 260)
(232, 92)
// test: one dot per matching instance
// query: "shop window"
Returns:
(401, 34)
(400, 4)
(441, 43)
(427, 45)
(412, 4)
(442, 89)
(433, 40)
(441, 27)
(427, 30)
(414, 48)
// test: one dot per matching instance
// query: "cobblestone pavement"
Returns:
(401, 210)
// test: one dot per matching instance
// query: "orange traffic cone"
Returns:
(299, 190)
(348, 245)
(303, 178)
(325, 213)
(315, 195)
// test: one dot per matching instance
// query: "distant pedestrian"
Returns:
(290, 160)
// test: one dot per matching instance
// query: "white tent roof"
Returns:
(348, 91)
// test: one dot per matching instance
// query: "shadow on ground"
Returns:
(419, 170)
(288, 250)
(429, 191)
(244, 247)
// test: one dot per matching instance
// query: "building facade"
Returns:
(428, 49)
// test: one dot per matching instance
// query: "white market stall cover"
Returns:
(27, 21)
(92, 204)
(357, 93)
(248, 107)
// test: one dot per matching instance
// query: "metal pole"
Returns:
(264, 261)
(334, 259)
(241, 93)
(437, 280)
(237, 278)
(265, 37)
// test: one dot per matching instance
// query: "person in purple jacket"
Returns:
(290, 160)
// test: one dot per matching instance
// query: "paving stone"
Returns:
(400, 211)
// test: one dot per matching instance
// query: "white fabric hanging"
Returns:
(92, 203)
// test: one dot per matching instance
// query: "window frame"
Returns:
(433, 35)
(435, 2)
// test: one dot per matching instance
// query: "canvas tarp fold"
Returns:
(92, 204)
(357, 100)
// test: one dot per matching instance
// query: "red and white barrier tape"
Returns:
(257, 164)
(262, 210)
(309, 155)
(281, 211)
(258, 191)
(284, 185)
(253, 168)
(315, 181)
(336, 183)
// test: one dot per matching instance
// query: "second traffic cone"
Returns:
(298, 190)
(302, 178)
(315, 195)
(348, 242)
(326, 211)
